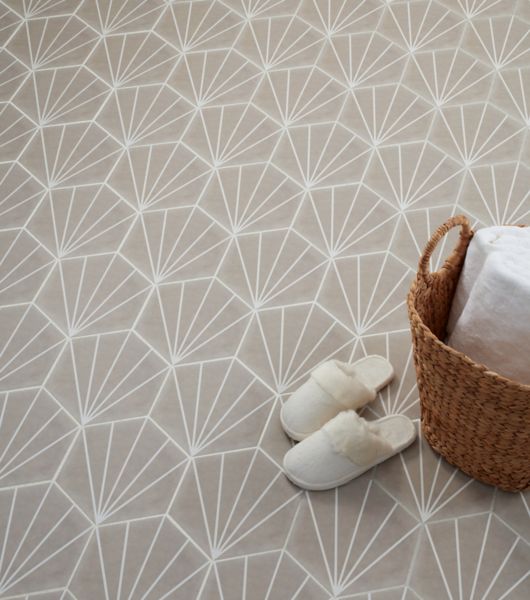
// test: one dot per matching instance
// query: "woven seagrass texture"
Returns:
(476, 419)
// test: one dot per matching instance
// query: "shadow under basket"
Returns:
(476, 419)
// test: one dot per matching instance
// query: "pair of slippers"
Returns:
(336, 444)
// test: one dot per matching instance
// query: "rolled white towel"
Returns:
(490, 240)
(490, 317)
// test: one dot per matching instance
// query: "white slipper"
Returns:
(345, 448)
(333, 386)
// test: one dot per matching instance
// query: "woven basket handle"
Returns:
(466, 233)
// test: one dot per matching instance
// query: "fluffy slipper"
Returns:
(333, 386)
(345, 448)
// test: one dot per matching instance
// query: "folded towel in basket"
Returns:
(490, 315)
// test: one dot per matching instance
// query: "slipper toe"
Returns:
(312, 464)
(332, 387)
(345, 448)
(306, 410)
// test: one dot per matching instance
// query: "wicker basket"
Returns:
(476, 419)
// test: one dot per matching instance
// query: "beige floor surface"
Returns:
(199, 202)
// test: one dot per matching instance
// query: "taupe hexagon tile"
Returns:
(257, 8)
(476, 555)
(61, 95)
(333, 18)
(502, 41)
(413, 176)
(21, 194)
(251, 198)
(353, 539)
(160, 176)
(199, 25)
(127, 16)
(283, 41)
(473, 9)
(231, 134)
(35, 433)
(73, 154)
(61, 594)
(346, 220)
(12, 74)
(130, 59)
(200, 201)
(322, 155)
(497, 193)
(510, 92)
(10, 22)
(448, 76)
(81, 220)
(122, 470)
(52, 42)
(196, 252)
(23, 267)
(30, 346)
(385, 113)
(282, 345)
(513, 509)
(146, 557)
(144, 115)
(229, 409)
(215, 76)
(86, 294)
(272, 268)
(236, 503)
(96, 377)
(472, 133)
(381, 61)
(300, 96)
(31, 9)
(264, 575)
(366, 293)
(429, 487)
(419, 25)
(16, 131)
(209, 321)
(43, 535)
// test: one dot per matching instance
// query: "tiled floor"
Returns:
(200, 201)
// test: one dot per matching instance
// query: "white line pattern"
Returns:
(200, 201)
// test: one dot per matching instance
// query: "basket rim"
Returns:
(483, 369)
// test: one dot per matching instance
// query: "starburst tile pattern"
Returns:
(200, 201)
